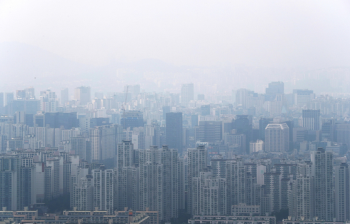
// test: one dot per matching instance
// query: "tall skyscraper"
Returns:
(174, 131)
(64, 96)
(83, 95)
(275, 88)
(210, 131)
(187, 93)
(323, 195)
(311, 119)
(277, 138)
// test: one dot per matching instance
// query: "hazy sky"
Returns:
(262, 33)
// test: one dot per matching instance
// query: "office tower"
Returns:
(9, 97)
(103, 142)
(174, 131)
(263, 122)
(196, 163)
(210, 131)
(342, 200)
(64, 96)
(205, 110)
(209, 195)
(342, 132)
(159, 181)
(103, 189)
(277, 138)
(48, 101)
(187, 93)
(83, 95)
(60, 119)
(274, 89)
(311, 119)
(194, 120)
(302, 97)
(328, 130)
(322, 172)
(243, 125)
(131, 119)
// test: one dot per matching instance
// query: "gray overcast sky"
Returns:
(259, 33)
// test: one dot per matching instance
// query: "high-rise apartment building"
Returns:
(209, 195)
(311, 119)
(277, 138)
(103, 189)
(342, 193)
(83, 95)
(322, 173)
(159, 181)
(174, 131)
(302, 97)
(103, 142)
(64, 96)
(196, 163)
(187, 93)
(48, 101)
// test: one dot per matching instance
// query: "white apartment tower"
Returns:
(103, 189)
(277, 138)
(209, 195)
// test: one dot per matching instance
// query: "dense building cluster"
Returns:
(246, 156)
